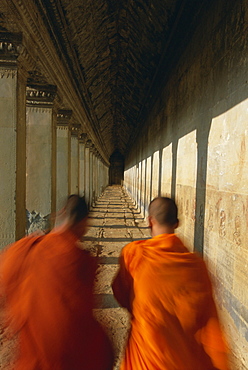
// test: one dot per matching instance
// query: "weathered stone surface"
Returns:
(199, 124)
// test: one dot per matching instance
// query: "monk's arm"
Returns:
(122, 286)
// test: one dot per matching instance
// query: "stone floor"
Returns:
(114, 222)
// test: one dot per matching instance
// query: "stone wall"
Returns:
(194, 146)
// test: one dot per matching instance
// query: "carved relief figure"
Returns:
(210, 219)
(236, 234)
(222, 229)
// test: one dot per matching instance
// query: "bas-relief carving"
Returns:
(35, 221)
(237, 233)
(222, 224)
(186, 208)
(236, 222)
(210, 221)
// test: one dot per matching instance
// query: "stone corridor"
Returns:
(148, 95)
(114, 222)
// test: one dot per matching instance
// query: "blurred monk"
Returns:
(48, 284)
(174, 322)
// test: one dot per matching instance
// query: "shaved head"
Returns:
(76, 208)
(164, 210)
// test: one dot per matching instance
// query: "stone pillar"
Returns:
(82, 142)
(98, 179)
(155, 174)
(103, 177)
(94, 175)
(74, 159)
(12, 140)
(62, 167)
(91, 173)
(40, 149)
(87, 171)
(100, 176)
(106, 175)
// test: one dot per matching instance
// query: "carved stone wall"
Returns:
(194, 146)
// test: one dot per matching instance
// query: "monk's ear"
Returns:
(150, 221)
(176, 224)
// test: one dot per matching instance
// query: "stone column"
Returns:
(102, 176)
(75, 159)
(94, 175)
(106, 175)
(41, 146)
(12, 140)
(91, 174)
(100, 184)
(87, 171)
(82, 142)
(62, 167)
(98, 180)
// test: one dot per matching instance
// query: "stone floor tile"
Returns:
(104, 276)
(108, 249)
(116, 324)
(115, 232)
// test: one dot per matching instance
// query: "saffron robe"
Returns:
(174, 322)
(48, 284)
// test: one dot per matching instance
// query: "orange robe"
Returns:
(48, 283)
(174, 323)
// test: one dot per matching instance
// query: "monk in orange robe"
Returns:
(48, 284)
(174, 321)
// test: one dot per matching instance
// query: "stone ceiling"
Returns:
(118, 44)
(117, 51)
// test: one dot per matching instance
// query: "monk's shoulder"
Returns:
(132, 252)
(131, 255)
(131, 248)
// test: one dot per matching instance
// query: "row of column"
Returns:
(44, 155)
(80, 168)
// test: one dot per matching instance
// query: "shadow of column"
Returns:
(202, 136)
(160, 171)
(174, 168)
(145, 187)
(151, 178)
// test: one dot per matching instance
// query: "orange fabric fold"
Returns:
(174, 322)
(48, 283)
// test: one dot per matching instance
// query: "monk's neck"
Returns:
(155, 231)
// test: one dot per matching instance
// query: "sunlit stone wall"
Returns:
(74, 165)
(39, 168)
(195, 144)
(62, 187)
(8, 155)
